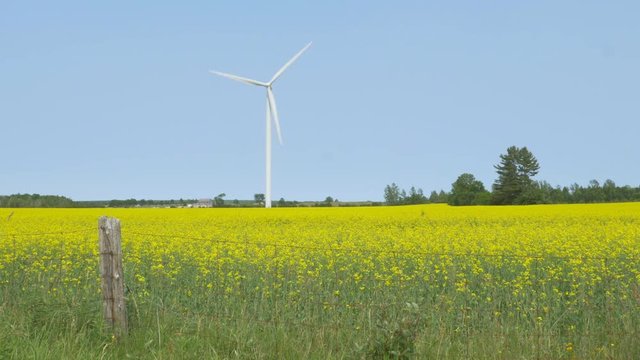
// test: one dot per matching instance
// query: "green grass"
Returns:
(177, 319)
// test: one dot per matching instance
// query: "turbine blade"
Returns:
(239, 78)
(294, 58)
(274, 112)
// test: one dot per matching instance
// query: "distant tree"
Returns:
(219, 200)
(514, 184)
(443, 197)
(609, 191)
(392, 194)
(258, 198)
(236, 202)
(466, 190)
(535, 193)
(547, 194)
(566, 195)
(328, 200)
(416, 196)
(282, 202)
(594, 193)
(575, 193)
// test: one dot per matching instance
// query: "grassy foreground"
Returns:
(430, 281)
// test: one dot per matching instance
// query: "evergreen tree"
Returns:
(514, 184)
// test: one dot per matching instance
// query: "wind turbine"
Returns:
(272, 113)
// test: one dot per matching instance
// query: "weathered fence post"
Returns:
(112, 276)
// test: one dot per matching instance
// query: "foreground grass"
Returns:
(163, 332)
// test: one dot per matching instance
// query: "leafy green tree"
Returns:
(328, 200)
(416, 196)
(258, 198)
(565, 196)
(443, 196)
(594, 192)
(436, 197)
(547, 194)
(514, 184)
(466, 190)
(392, 194)
(219, 200)
(609, 190)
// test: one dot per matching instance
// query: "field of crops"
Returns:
(430, 281)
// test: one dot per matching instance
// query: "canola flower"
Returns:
(558, 270)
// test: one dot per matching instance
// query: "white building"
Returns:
(203, 203)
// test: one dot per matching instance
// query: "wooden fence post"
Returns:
(115, 311)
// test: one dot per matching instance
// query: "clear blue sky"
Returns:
(114, 100)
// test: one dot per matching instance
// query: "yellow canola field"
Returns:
(471, 281)
(552, 254)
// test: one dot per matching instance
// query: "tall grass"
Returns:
(330, 317)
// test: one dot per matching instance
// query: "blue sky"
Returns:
(114, 100)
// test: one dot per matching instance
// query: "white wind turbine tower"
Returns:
(272, 113)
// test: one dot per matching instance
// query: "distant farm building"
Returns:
(202, 203)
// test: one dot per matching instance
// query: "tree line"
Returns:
(393, 195)
(515, 186)
(34, 201)
(54, 201)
